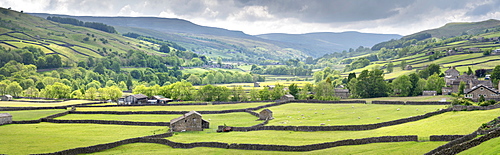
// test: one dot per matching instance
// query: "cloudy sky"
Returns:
(284, 16)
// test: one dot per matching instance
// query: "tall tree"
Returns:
(390, 67)
(294, 90)
(434, 82)
(402, 85)
(324, 91)
(371, 84)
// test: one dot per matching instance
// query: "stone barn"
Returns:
(429, 93)
(266, 114)
(342, 93)
(287, 97)
(136, 99)
(6, 98)
(5, 118)
(408, 67)
(190, 121)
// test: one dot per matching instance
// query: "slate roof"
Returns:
(139, 96)
(479, 86)
(5, 115)
(341, 90)
(184, 116)
(267, 110)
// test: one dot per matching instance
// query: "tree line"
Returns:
(76, 22)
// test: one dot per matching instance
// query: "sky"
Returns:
(254, 17)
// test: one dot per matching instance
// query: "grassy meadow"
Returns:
(176, 108)
(50, 137)
(409, 148)
(451, 123)
(24, 115)
(300, 114)
(35, 104)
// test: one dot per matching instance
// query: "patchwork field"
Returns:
(35, 104)
(48, 137)
(24, 115)
(301, 114)
(176, 108)
(408, 148)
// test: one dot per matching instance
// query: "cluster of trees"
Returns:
(403, 42)
(165, 43)
(372, 83)
(72, 83)
(339, 57)
(184, 90)
(76, 22)
(282, 70)
(219, 77)
(29, 55)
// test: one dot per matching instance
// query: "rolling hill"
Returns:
(72, 43)
(461, 51)
(236, 45)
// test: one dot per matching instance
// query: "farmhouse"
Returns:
(136, 99)
(342, 93)
(495, 52)
(266, 114)
(190, 121)
(287, 97)
(161, 100)
(429, 93)
(5, 118)
(453, 79)
(481, 90)
(408, 67)
(6, 98)
(446, 90)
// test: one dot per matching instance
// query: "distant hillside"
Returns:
(457, 29)
(326, 42)
(72, 43)
(236, 45)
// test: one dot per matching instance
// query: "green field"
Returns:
(34, 104)
(176, 108)
(49, 137)
(23, 115)
(489, 147)
(300, 114)
(408, 148)
(443, 124)
(231, 119)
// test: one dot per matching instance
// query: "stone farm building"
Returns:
(190, 121)
(429, 93)
(481, 90)
(453, 78)
(266, 114)
(136, 99)
(5, 118)
(158, 99)
(6, 98)
(342, 93)
(287, 97)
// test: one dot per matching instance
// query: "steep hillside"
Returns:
(464, 51)
(236, 45)
(72, 43)
(458, 29)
